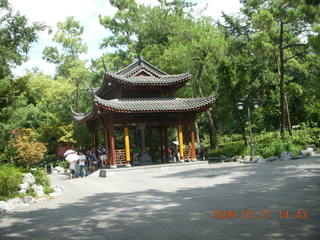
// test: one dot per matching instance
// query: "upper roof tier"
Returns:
(140, 75)
(163, 80)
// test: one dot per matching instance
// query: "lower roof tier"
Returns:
(145, 105)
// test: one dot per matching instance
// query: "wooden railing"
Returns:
(187, 152)
(120, 156)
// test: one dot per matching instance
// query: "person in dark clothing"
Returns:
(202, 152)
(174, 152)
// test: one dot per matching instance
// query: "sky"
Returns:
(50, 12)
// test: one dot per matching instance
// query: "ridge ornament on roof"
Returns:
(139, 64)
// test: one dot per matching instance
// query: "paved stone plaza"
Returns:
(177, 202)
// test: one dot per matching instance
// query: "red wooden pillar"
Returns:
(186, 128)
(106, 144)
(193, 147)
(95, 142)
(112, 152)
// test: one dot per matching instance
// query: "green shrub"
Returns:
(306, 136)
(228, 150)
(225, 139)
(275, 148)
(10, 178)
(51, 159)
(41, 178)
(48, 159)
(62, 163)
(268, 144)
(31, 192)
(48, 189)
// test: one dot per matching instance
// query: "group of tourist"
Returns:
(89, 162)
(94, 159)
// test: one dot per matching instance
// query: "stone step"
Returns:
(146, 169)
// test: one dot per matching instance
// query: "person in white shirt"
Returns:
(82, 164)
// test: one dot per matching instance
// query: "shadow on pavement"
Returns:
(185, 213)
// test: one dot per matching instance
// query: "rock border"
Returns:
(28, 182)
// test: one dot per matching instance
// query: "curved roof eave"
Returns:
(165, 80)
(154, 105)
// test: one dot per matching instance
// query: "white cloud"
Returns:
(148, 2)
(47, 68)
(215, 8)
(50, 12)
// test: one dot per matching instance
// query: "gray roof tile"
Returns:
(142, 105)
(164, 80)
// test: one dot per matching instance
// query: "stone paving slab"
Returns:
(178, 203)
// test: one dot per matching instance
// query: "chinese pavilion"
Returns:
(141, 97)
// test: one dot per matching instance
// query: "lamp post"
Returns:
(247, 104)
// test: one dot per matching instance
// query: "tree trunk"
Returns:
(197, 132)
(281, 69)
(242, 129)
(212, 127)
(77, 98)
(239, 119)
(196, 129)
(288, 115)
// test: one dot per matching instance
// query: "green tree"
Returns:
(68, 37)
(67, 55)
(16, 37)
(282, 23)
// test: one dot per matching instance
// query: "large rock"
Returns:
(58, 189)
(246, 159)
(307, 152)
(286, 156)
(28, 178)
(236, 158)
(28, 199)
(313, 146)
(38, 189)
(4, 207)
(259, 159)
(271, 159)
(23, 187)
(15, 202)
